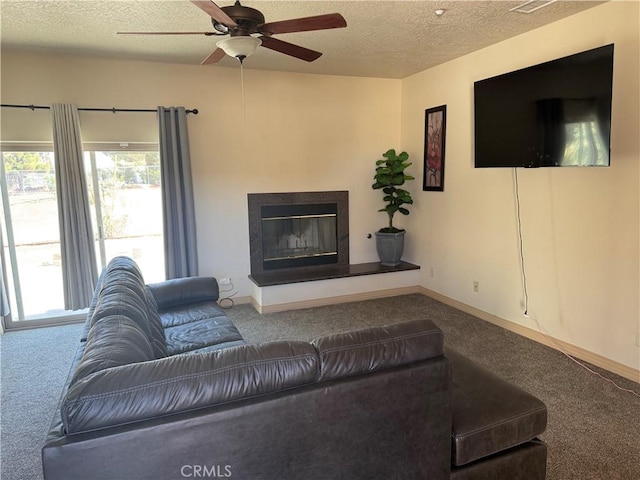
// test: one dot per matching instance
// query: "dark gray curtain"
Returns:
(181, 256)
(79, 268)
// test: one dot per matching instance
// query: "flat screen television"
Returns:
(555, 114)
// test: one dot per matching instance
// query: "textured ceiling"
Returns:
(391, 39)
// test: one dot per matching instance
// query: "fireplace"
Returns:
(299, 230)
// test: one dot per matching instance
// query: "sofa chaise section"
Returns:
(495, 426)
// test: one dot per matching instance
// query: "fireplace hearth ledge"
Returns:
(328, 272)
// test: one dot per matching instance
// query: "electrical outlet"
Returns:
(432, 272)
(638, 338)
(224, 281)
(476, 286)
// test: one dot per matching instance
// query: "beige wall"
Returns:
(293, 132)
(305, 132)
(580, 225)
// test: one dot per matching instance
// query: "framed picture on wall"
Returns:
(435, 123)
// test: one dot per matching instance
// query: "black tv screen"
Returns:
(555, 114)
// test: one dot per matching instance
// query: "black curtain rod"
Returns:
(113, 110)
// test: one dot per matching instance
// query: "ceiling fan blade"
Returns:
(215, 12)
(214, 57)
(168, 33)
(319, 22)
(290, 49)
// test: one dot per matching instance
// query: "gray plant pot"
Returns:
(390, 247)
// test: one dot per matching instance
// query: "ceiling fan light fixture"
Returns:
(239, 47)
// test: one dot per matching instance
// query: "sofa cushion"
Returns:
(118, 300)
(182, 314)
(157, 338)
(120, 270)
(217, 346)
(126, 264)
(200, 333)
(366, 350)
(489, 414)
(113, 341)
(155, 325)
(182, 383)
(92, 306)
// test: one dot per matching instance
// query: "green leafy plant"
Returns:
(390, 176)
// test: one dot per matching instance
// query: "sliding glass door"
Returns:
(124, 187)
(30, 235)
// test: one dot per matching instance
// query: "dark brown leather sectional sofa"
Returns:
(164, 387)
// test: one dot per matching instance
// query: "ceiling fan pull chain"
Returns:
(244, 106)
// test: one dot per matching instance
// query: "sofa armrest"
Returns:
(181, 291)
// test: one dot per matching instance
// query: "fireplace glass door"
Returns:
(293, 237)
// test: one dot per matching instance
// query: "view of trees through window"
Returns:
(584, 145)
(126, 210)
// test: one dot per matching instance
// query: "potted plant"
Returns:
(390, 176)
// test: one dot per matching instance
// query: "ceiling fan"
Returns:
(240, 23)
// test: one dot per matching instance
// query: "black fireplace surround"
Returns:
(298, 231)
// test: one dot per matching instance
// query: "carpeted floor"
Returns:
(34, 366)
(593, 430)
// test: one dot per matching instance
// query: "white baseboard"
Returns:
(577, 352)
(320, 302)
